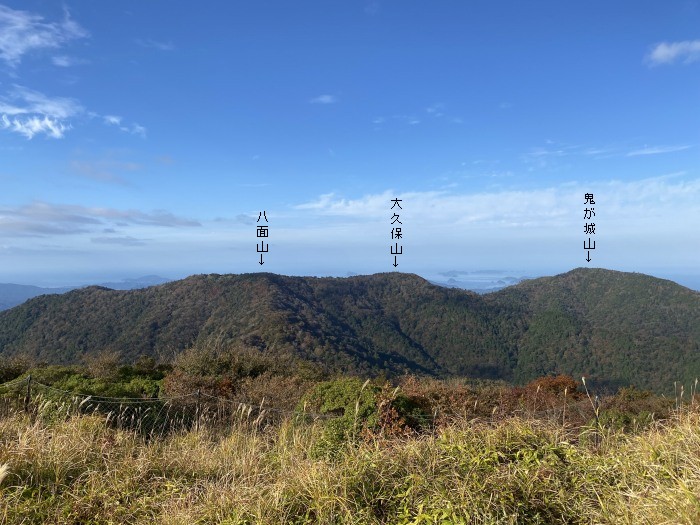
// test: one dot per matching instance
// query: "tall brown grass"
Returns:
(517, 470)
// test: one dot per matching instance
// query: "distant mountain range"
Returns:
(613, 327)
(15, 294)
(476, 282)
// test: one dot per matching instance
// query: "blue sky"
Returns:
(145, 137)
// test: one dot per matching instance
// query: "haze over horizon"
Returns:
(481, 281)
(145, 138)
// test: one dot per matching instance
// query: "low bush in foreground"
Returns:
(516, 470)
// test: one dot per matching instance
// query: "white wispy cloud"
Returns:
(31, 126)
(372, 8)
(686, 51)
(23, 32)
(67, 61)
(600, 152)
(62, 61)
(548, 152)
(324, 202)
(436, 112)
(324, 99)
(156, 44)
(657, 150)
(137, 129)
(550, 156)
(121, 241)
(442, 207)
(32, 113)
(133, 129)
(638, 223)
(670, 196)
(105, 170)
(23, 101)
(42, 218)
(547, 156)
(410, 120)
(28, 112)
(112, 120)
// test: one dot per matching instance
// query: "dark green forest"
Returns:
(613, 327)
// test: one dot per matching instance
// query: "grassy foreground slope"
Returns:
(620, 327)
(515, 471)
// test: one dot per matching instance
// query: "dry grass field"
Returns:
(517, 470)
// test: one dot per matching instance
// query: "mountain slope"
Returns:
(624, 327)
(14, 294)
(620, 327)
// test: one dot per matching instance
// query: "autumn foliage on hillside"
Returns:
(617, 328)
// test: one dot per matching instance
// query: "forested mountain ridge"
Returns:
(619, 327)
(15, 294)
(624, 327)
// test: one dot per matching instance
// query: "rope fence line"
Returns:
(137, 400)
(154, 415)
(141, 400)
(112, 399)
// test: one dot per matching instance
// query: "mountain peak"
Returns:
(620, 327)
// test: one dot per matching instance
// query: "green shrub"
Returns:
(13, 367)
(359, 410)
(353, 405)
(632, 409)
